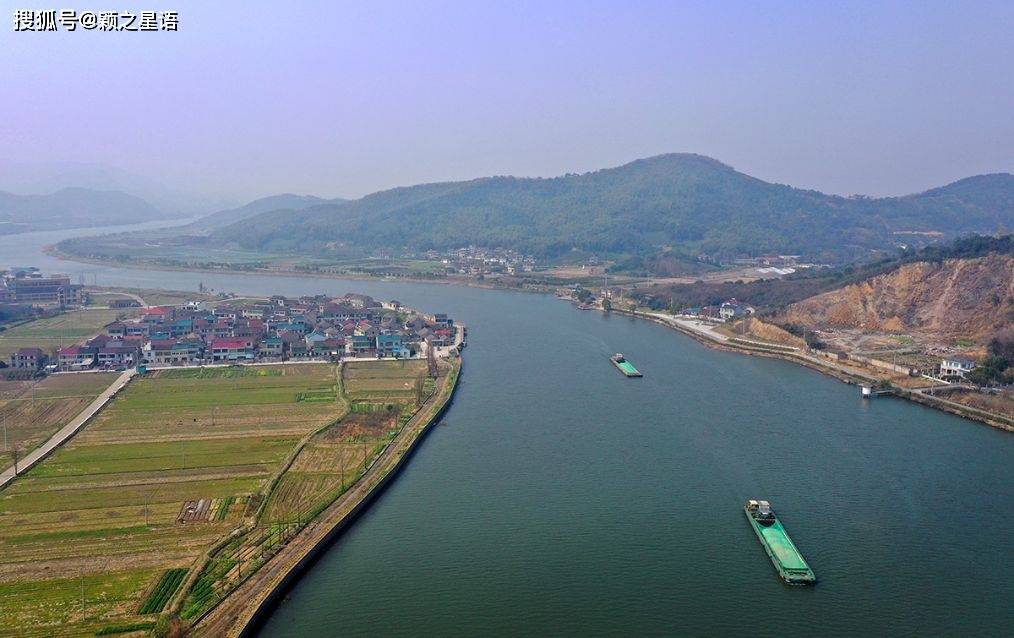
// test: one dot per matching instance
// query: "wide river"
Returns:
(559, 498)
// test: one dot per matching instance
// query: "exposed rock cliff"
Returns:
(958, 298)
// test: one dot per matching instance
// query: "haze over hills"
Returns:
(284, 201)
(39, 178)
(72, 208)
(680, 204)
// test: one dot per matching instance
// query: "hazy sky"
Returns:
(343, 98)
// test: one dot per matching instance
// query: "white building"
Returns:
(732, 309)
(956, 367)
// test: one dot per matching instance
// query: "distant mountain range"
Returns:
(36, 178)
(678, 205)
(72, 208)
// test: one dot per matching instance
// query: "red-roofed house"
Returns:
(231, 349)
(156, 313)
(76, 357)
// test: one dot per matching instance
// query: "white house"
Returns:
(732, 309)
(956, 367)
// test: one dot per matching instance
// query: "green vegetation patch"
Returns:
(320, 394)
(230, 372)
(223, 508)
(126, 628)
(62, 329)
(109, 499)
(163, 590)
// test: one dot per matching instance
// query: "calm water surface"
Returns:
(559, 498)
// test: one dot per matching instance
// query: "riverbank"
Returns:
(244, 608)
(846, 375)
(53, 251)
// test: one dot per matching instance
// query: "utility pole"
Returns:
(5, 430)
(147, 504)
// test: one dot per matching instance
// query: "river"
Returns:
(560, 498)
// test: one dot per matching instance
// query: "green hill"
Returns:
(658, 215)
(679, 203)
(285, 201)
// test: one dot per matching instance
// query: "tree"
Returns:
(990, 371)
(607, 305)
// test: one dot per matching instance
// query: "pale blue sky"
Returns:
(344, 98)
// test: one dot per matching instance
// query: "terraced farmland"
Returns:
(87, 536)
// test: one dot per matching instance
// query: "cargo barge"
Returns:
(624, 366)
(783, 553)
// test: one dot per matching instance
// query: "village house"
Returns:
(732, 309)
(272, 347)
(113, 357)
(231, 350)
(956, 367)
(76, 357)
(313, 339)
(389, 345)
(28, 359)
(358, 345)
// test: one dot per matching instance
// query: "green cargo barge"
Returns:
(783, 553)
(624, 366)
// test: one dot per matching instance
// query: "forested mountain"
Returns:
(285, 201)
(72, 208)
(678, 203)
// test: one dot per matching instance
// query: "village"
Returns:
(202, 332)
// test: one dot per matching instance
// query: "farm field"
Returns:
(329, 462)
(34, 410)
(64, 329)
(381, 381)
(151, 297)
(175, 463)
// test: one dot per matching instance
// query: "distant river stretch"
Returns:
(560, 498)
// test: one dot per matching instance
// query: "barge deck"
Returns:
(784, 555)
(624, 366)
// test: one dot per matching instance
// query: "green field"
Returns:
(109, 531)
(35, 409)
(154, 297)
(329, 463)
(64, 329)
(381, 381)
(101, 514)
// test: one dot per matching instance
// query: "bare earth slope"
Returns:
(958, 298)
